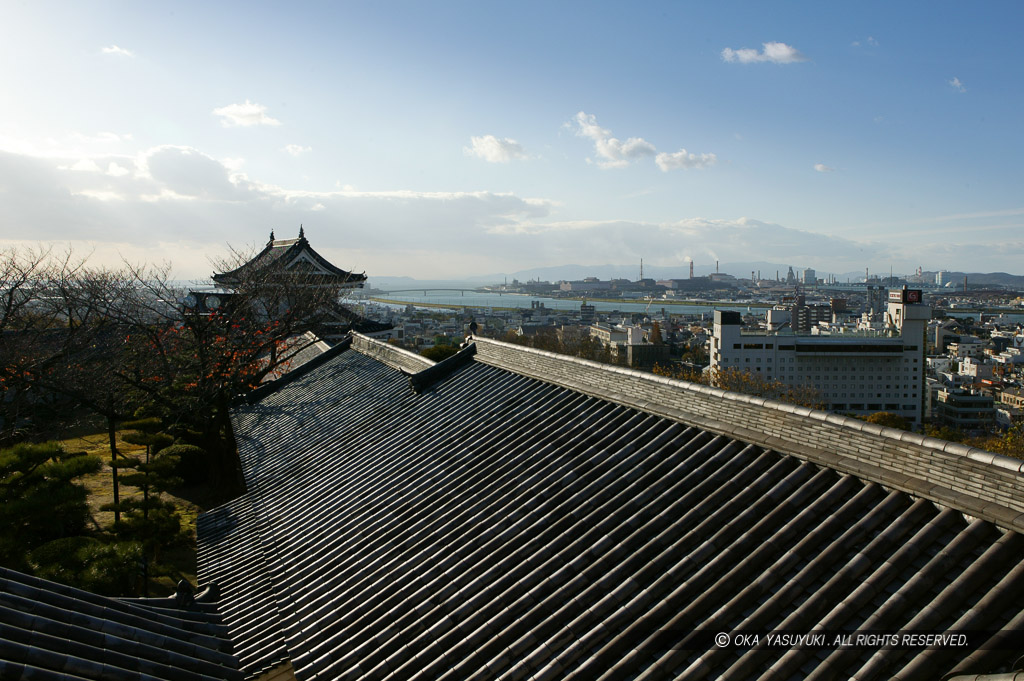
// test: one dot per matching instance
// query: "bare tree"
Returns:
(117, 342)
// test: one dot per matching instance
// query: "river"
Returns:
(475, 299)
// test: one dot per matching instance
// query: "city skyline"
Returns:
(458, 139)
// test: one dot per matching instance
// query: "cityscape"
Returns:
(550, 341)
(958, 364)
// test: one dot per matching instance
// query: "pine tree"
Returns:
(151, 521)
(40, 502)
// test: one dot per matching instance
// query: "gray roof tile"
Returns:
(498, 526)
(59, 632)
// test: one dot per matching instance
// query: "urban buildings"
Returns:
(964, 410)
(629, 346)
(856, 372)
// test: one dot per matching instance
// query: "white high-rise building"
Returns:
(809, 277)
(858, 373)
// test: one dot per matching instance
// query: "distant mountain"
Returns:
(400, 283)
(740, 270)
(631, 272)
(1014, 281)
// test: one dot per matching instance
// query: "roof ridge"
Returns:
(392, 355)
(273, 386)
(921, 465)
(422, 380)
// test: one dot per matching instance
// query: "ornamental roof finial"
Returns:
(271, 236)
(302, 233)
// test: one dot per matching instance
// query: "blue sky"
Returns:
(444, 139)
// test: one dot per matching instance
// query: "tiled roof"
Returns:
(281, 253)
(55, 632)
(297, 350)
(496, 525)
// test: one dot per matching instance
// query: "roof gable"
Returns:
(289, 255)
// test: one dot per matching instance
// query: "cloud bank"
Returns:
(180, 203)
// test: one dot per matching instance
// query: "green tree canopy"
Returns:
(888, 419)
(439, 352)
(39, 499)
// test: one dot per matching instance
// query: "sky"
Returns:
(438, 140)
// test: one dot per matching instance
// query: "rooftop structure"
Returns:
(511, 513)
(304, 273)
(290, 256)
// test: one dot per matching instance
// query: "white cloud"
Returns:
(957, 85)
(776, 53)
(494, 150)
(611, 152)
(296, 150)
(101, 194)
(187, 173)
(822, 168)
(119, 51)
(707, 240)
(84, 165)
(247, 114)
(870, 41)
(183, 193)
(684, 159)
(614, 153)
(117, 170)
